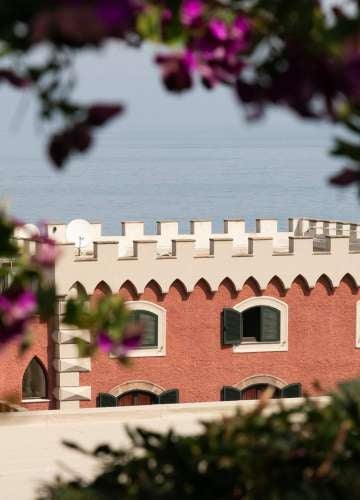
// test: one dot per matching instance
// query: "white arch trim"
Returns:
(160, 349)
(261, 379)
(136, 385)
(282, 307)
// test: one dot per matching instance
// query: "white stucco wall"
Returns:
(31, 442)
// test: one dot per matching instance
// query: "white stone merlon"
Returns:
(234, 254)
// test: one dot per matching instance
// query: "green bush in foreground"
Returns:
(308, 452)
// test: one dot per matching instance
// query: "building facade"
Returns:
(226, 315)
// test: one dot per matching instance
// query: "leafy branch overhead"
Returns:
(269, 52)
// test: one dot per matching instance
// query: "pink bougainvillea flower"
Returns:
(218, 29)
(346, 177)
(176, 71)
(99, 114)
(131, 340)
(46, 253)
(14, 79)
(191, 11)
(104, 342)
(16, 310)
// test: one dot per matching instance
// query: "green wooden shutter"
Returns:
(105, 399)
(269, 324)
(150, 321)
(229, 393)
(231, 327)
(291, 391)
(169, 397)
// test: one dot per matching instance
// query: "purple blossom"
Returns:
(191, 11)
(99, 114)
(176, 71)
(47, 251)
(130, 340)
(218, 29)
(16, 310)
(346, 177)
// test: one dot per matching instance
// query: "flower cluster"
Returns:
(111, 324)
(131, 339)
(17, 307)
(214, 47)
(86, 22)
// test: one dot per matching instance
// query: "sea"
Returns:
(170, 158)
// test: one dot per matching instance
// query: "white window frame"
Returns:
(160, 349)
(282, 307)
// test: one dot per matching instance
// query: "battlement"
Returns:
(309, 248)
(202, 234)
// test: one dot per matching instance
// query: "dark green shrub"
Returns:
(308, 452)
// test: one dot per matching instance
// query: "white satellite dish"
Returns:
(79, 231)
(27, 231)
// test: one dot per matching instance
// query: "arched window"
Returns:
(34, 384)
(257, 390)
(254, 387)
(149, 321)
(135, 398)
(154, 319)
(259, 324)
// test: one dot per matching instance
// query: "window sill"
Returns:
(144, 353)
(35, 400)
(261, 347)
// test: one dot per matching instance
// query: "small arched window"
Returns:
(258, 324)
(150, 323)
(34, 384)
(135, 398)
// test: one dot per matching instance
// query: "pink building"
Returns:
(227, 314)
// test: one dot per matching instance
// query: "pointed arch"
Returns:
(103, 288)
(302, 284)
(180, 288)
(128, 291)
(77, 290)
(154, 287)
(326, 283)
(204, 286)
(253, 284)
(228, 285)
(278, 284)
(35, 380)
(349, 281)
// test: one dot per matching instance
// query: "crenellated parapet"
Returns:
(309, 248)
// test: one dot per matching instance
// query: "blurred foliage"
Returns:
(310, 451)
(269, 52)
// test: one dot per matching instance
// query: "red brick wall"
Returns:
(13, 366)
(321, 341)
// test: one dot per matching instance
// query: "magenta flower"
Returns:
(346, 177)
(176, 71)
(17, 308)
(131, 340)
(47, 252)
(191, 11)
(218, 29)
